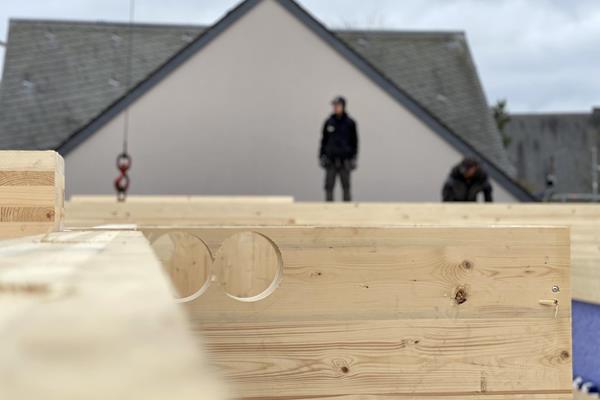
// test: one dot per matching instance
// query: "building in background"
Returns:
(237, 108)
(555, 145)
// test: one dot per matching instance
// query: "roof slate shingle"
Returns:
(59, 75)
(436, 69)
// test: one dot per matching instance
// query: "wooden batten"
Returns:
(577, 395)
(142, 199)
(31, 193)
(580, 218)
(379, 313)
(90, 315)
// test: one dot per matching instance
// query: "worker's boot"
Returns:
(329, 195)
(347, 195)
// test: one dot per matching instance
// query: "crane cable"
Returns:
(124, 159)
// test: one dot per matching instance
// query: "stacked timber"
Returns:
(31, 192)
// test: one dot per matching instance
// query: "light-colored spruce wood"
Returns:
(248, 265)
(583, 396)
(187, 261)
(581, 218)
(31, 192)
(89, 315)
(185, 199)
(403, 312)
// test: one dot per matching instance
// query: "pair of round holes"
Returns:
(248, 265)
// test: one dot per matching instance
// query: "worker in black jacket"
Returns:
(466, 181)
(339, 148)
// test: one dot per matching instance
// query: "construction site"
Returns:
(169, 226)
(250, 297)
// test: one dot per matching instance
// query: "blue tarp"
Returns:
(586, 341)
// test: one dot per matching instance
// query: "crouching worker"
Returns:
(339, 148)
(466, 181)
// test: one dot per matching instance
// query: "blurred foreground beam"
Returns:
(31, 193)
(90, 315)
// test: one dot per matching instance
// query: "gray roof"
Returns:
(437, 70)
(58, 75)
(554, 143)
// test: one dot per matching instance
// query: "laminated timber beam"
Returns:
(583, 396)
(582, 219)
(186, 199)
(31, 192)
(90, 315)
(406, 312)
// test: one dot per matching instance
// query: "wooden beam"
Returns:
(31, 193)
(405, 312)
(581, 218)
(89, 315)
(186, 199)
(577, 395)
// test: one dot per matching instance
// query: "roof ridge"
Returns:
(550, 113)
(392, 31)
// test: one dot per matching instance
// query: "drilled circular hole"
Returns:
(187, 261)
(249, 266)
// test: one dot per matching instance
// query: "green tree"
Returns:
(502, 118)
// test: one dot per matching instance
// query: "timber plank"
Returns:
(31, 192)
(310, 359)
(581, 218)
(396, 272)
(375, 313)
(26, 178)
(583, 396)
(185, 199)
(89, 315)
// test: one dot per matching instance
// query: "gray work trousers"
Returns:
(343, 169)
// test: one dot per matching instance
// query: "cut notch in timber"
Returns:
(31, 193)
(404, 312)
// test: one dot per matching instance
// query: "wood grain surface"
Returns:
(185, 199)
(403, 312)
(89, 315)
(582, 219)
(186, 259)
(31, 192)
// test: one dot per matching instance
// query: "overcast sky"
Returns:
(541, 55)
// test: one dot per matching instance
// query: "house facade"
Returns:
(240, 111)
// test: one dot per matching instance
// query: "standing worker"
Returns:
(339, 148)
(466, 181)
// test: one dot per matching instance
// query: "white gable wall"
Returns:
(244, 116)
